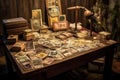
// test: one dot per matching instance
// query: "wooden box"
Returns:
(14, 26)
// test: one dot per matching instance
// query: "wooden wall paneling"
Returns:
(13, 8)
(43, 8)
(84, 20)
(23, 9)
(30, 8)
(64, 5)
(26, 10)
(67, 5)
(20, 8)
(71, 13)
(80, 16)
(7, 10)
(4, 9)
(36, 4)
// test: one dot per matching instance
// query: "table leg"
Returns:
(107, 73)
(9, 64)
(8, 61)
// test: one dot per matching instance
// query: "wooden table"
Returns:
(67, 64)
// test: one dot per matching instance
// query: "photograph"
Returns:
(48, 60)
(67, 53)
(36, 62)
(36, 14)
(36, 21)
(67, 34)
(61, 36)
(53, 11)
(62, 17)
(63, 25)
(52, 2)
(41, 55)
(26, 65)
(29, 46)
(36, 24)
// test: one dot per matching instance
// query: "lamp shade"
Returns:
(88, 13)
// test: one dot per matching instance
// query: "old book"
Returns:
(14, 21)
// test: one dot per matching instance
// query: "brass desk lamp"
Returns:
(87, 13)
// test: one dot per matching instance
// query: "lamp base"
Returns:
(74, 32)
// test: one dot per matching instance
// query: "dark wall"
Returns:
(23, 8)
(18, 8)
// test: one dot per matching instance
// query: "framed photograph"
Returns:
(53, 8)
(36, 14)
(36, 24)
(61, 25)
(53, 11)
(52, 2)
(36, 21)
(62, 17)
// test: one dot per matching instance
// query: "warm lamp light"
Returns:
(87, 13)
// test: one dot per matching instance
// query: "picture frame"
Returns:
(36, 21)
(61, 25)
(53, 8)
(52, 3)
(62, 17)
(36, 24)
(53, 11)
(36, 14)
